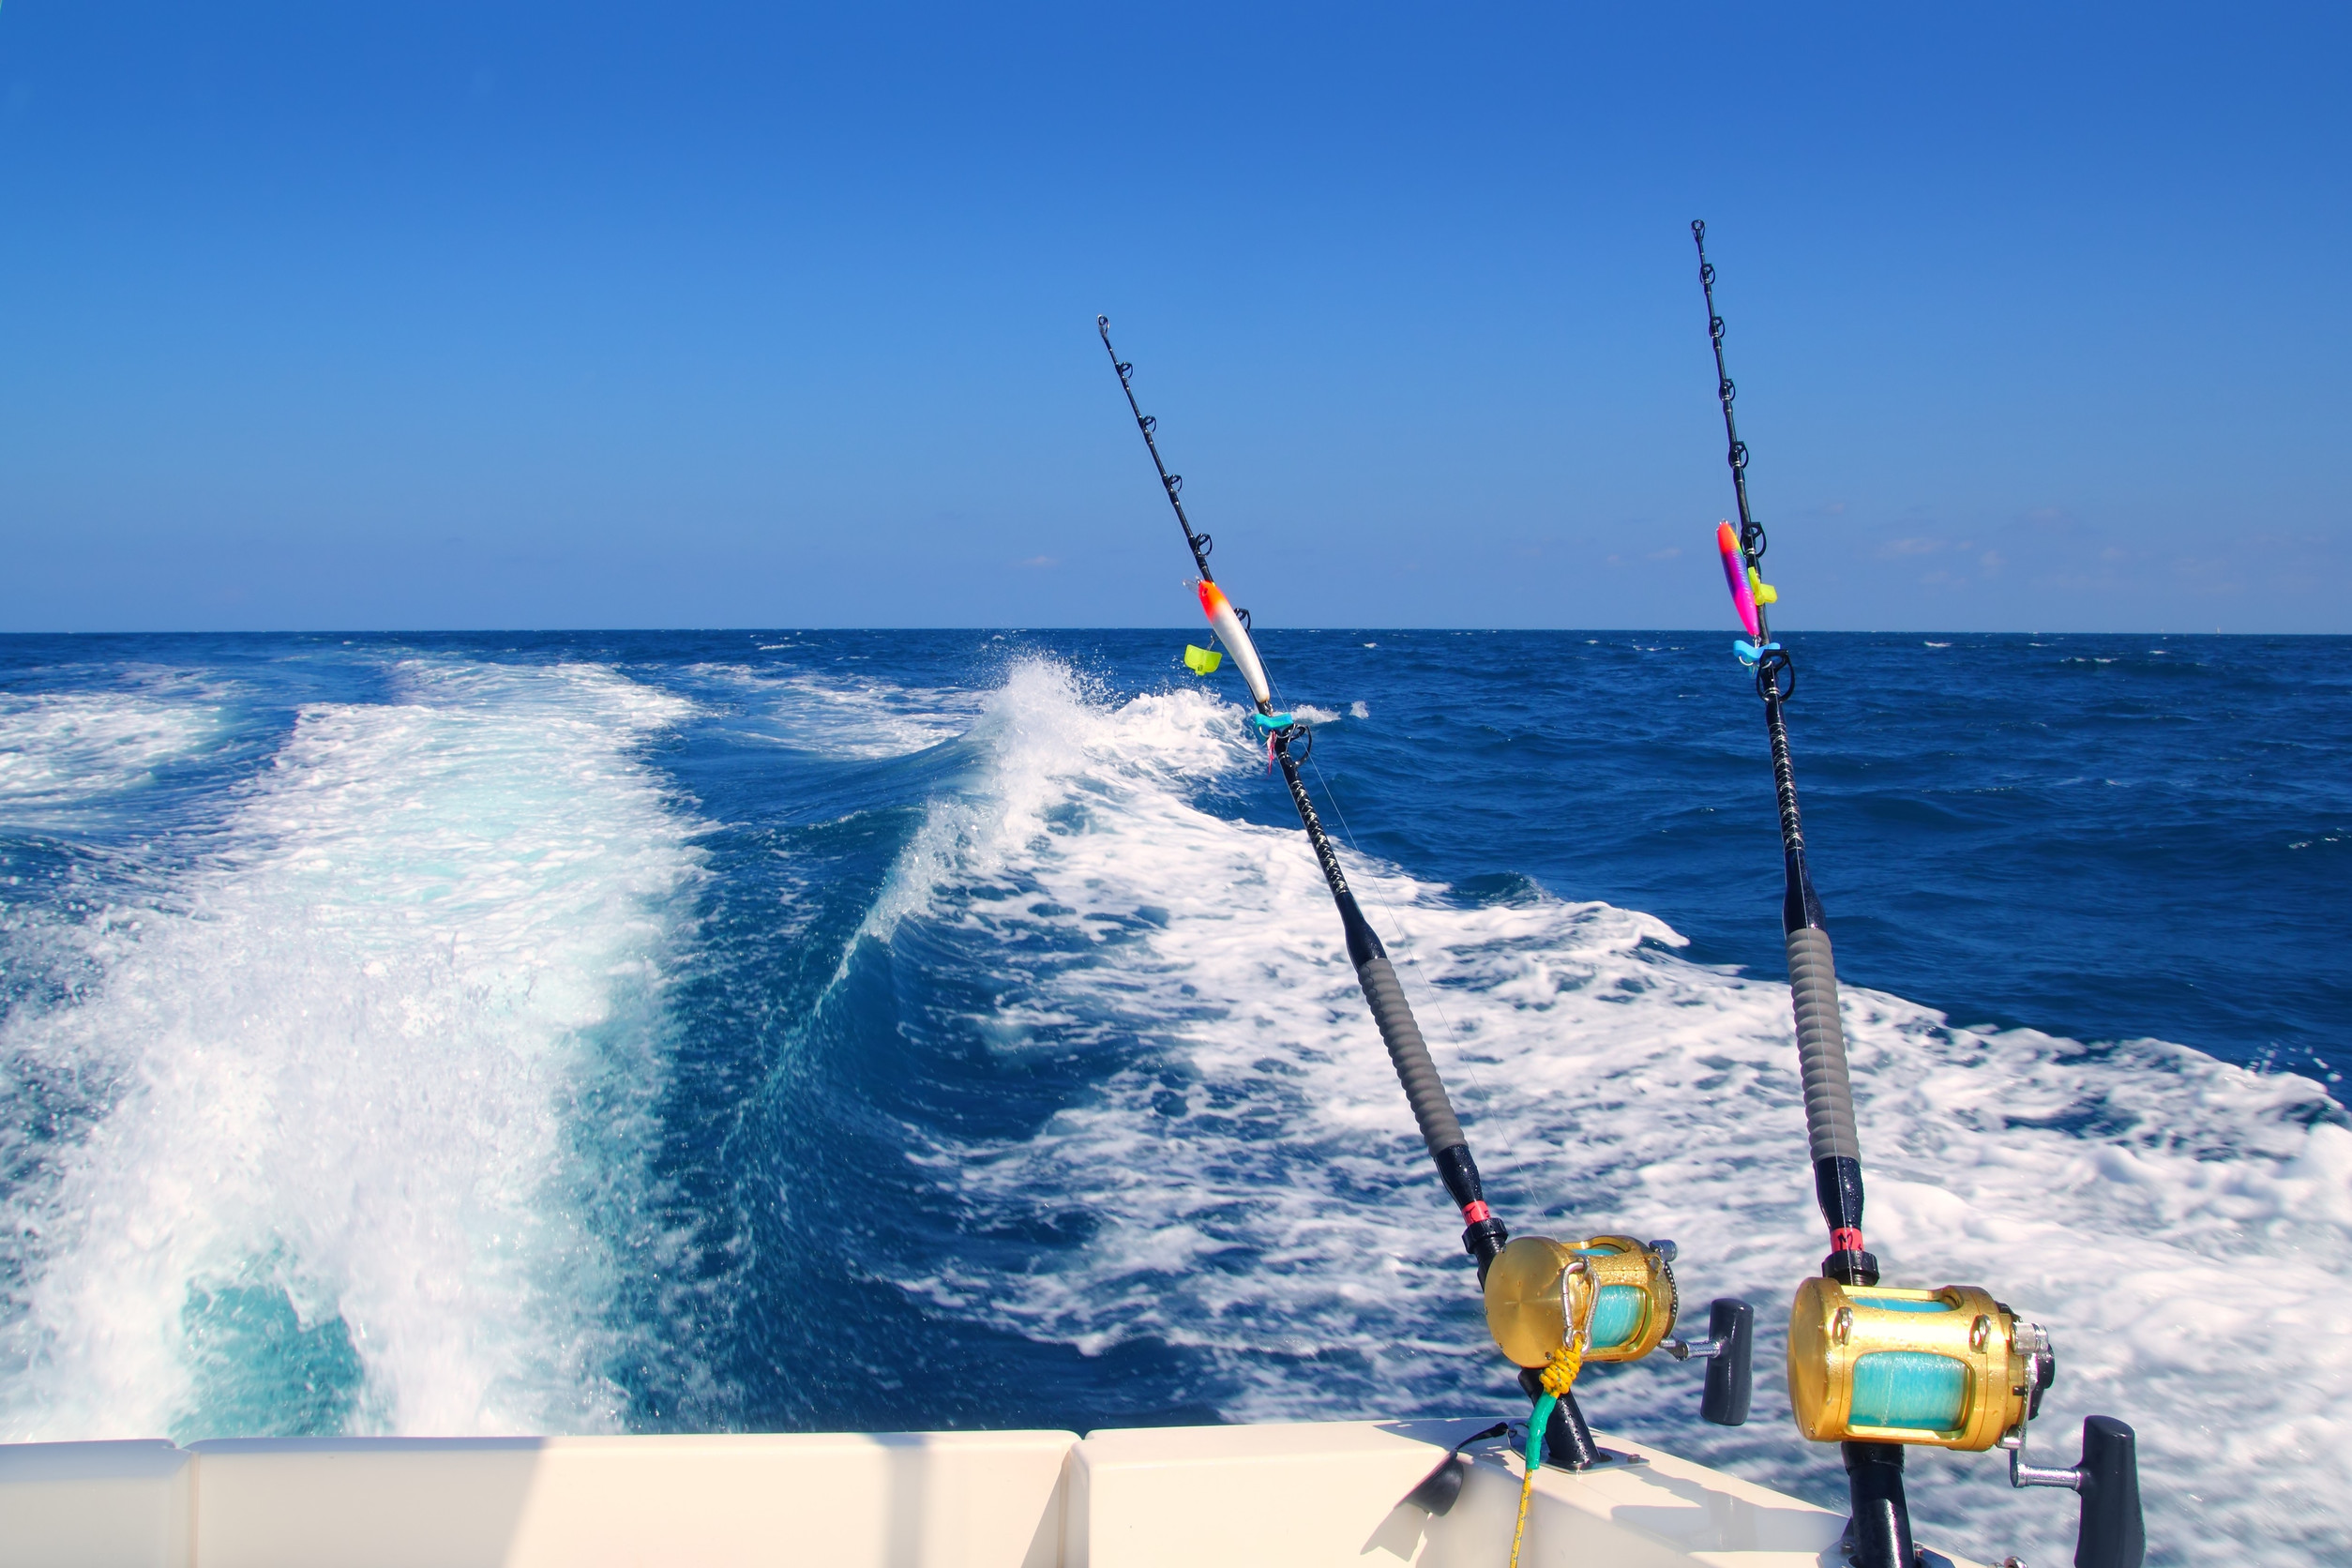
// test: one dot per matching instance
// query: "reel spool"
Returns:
(1949, 1368)
(1619, 1291)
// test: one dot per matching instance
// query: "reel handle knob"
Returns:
(1731, 1324)
(2111, 1533)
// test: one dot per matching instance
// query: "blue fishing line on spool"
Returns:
(1882, 1305)
(1616, 1317)
(1908, 1388)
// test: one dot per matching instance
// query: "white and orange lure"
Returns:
(1235, 636)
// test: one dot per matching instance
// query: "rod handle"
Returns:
(1829, 1088)
(1433, 1113)
(1567, 1438)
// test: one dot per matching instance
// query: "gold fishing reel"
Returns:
(1618, 1290)
(1949, 1368)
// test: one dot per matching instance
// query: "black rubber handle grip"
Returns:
(1730, 1372)
(2111, 1533)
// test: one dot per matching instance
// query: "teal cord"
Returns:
(1535, 1424)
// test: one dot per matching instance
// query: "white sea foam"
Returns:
(65, 749)
(345, 1074)
(2183, 1227)
(840, 716)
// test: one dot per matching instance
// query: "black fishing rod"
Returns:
(1963, 1371)
(1551, 1306)
(1483, 1235)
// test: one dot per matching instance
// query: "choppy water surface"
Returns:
(670, 1032)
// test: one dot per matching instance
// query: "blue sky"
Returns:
(502, 315)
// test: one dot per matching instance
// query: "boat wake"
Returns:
(356, 1114)
(65, 753)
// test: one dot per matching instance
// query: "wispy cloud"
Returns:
(1895, 550)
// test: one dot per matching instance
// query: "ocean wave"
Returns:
(61, 750)
(840, 715)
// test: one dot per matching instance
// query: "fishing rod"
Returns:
(1873, 1368)
(1550, 1305)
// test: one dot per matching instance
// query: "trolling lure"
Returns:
(1627, 1285)
(1735, 571)
(1743, 579)
(1235, 636)
(1874, 1367)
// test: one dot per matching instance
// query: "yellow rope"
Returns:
(1560, 1373)
(1527, 1493)
(1558, 1377)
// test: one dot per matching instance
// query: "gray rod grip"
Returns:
(1821, 1045)
(1423, 1091)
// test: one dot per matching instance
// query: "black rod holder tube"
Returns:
(1881, 1524)
(1568, 1443)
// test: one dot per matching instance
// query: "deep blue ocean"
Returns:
(436, 1033)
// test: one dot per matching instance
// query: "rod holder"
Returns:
(1567, 1438)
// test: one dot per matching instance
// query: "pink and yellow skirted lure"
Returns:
(1734, 572)
(1748, 590)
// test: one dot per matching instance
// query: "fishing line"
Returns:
(1412, 956)
(1411, 946)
